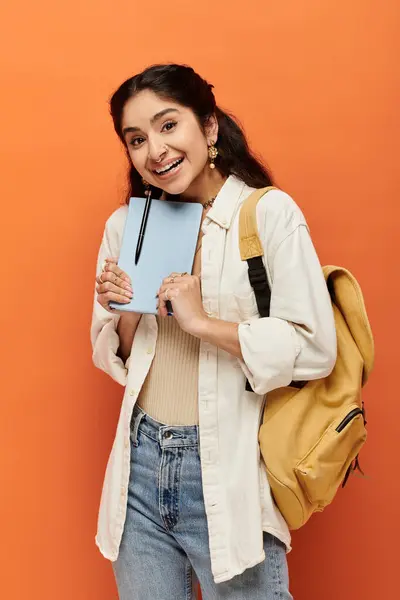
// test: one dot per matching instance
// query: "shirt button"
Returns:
(149, 350)
(123, 491)
(132, 392)
(126, 443)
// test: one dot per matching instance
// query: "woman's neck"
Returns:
(205, 186)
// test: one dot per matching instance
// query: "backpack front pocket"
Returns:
(324, 467)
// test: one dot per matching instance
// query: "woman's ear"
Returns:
(211, 129)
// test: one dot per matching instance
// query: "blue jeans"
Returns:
(165, 538)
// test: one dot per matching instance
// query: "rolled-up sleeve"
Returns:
(103, 332)
(297, 342)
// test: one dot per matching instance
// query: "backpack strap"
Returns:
(252, 251)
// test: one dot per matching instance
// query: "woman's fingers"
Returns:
(108, 292)
(176, 278)
(110, 265)
(165, 295)
(174, 282)
(112, 273)
(110, 296)
(184, 293)
(170, 288)
(115, 279)
(113, 284)
(108, 286)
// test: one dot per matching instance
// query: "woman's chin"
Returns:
(175, 188)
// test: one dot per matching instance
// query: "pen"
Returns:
(143, 227)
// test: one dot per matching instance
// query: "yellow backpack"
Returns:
(312, 432)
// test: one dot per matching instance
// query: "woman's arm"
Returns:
(126, 329)
(105, 324)
(296, 342)
(222, 334)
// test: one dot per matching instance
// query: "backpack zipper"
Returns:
(352, 414)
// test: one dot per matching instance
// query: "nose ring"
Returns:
(163, 151)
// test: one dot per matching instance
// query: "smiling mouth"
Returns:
(169, 167)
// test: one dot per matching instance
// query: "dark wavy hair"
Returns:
(184, 86)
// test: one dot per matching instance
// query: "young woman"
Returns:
(185, 490)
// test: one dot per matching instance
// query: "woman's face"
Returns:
(165, 142)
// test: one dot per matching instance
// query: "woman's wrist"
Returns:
(201, 327)
(223, 334)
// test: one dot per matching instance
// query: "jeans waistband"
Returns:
(168, 436)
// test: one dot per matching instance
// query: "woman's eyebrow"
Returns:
(153, 119)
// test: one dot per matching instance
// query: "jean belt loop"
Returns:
(136, 424)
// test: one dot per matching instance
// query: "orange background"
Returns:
(316, 85)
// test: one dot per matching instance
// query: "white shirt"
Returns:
(297, 342)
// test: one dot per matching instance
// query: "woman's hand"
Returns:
(184, 293)
(113, 285)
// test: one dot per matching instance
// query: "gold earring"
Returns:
(147, 189)
(212, 153)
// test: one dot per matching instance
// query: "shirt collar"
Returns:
(225, 203)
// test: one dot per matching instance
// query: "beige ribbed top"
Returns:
(170, 393)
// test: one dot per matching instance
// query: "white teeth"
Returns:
(168, 167)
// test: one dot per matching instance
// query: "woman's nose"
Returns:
(157, 150)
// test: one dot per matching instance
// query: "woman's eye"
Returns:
(136, 141)
(168, 126)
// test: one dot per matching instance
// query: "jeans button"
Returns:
(168, 435)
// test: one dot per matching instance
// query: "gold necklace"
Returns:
(208, 203)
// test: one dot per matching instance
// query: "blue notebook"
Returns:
(169, 246)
